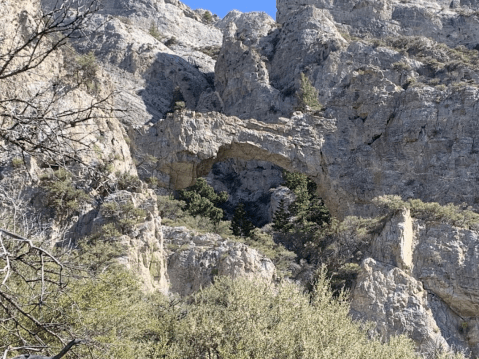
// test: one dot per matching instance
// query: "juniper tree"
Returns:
(281, 221)
(240, 224)
(202, 200)
(308, 95)
(308, 210)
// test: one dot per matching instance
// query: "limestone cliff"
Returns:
(398, 83)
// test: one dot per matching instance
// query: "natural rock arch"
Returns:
(187, 144)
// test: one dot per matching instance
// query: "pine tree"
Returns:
(308, 209)
(281, 218)
(202, 200)
(319, 213)
(237, 220)
(240, 224)
(308, 95)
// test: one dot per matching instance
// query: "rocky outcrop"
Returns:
(143, 243)
(443, 20)
(195, 259)
(352, 160)
(420, 278)
(150, 49)
(446, 262)
(241, 74)
(390, 103)
(187, 144)
(397, 303)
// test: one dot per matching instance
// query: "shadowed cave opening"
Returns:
(252, 183)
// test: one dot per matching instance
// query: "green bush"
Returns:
(432, 211)
(17, 162)
(211, 51)
(207, 17)
(179, 105)
(62, 194)
(245, 319)
(104, 304)
(201, 200)
(87, 69)
(96, 301)
(153, 31)
(178, 102)
(124, 217)
(128, 182)
(308, 95)
(153, 181)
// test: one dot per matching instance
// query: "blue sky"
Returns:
(221, 7)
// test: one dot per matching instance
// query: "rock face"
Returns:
(390, 103)
(150, 48)
(397, 303)
(187, 144)
(144, 254)
(435, 19)
(420, 278)
(195, 260)
(398, 81)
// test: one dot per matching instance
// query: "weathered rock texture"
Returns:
(144, 253)
(187, 144)
(150, 48)
(195, 260)
(435, 19)
(420, 278)
(397, 303)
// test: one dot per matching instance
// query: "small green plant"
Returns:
(179, 106)
(345, 36)
(62, 194)
(207, 17)
(153, 181)
(308, 95)
(129, 182)
(123, 217)
(211, 51)
(177, 100)
(150, 160)
(87, 69)
(153, 31)
(17, 162)
(125, 20)
(401, 66)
